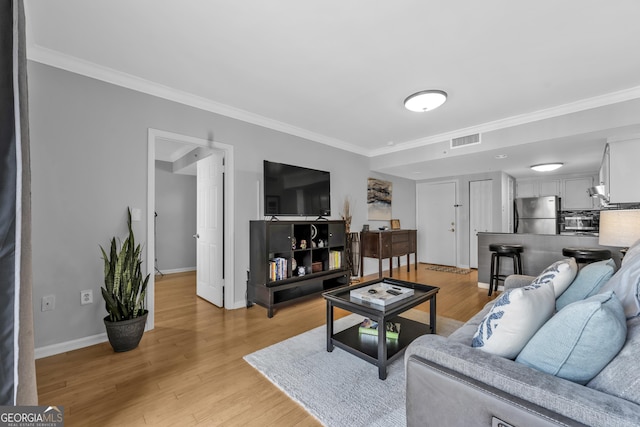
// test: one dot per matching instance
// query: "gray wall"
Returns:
(89, 162)
(176, 220)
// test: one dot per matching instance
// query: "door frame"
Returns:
(229, 226)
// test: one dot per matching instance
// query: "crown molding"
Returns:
(89, 69)
(557, 111)
(76, 65)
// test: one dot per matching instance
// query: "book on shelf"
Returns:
(335, 259)
(370, 327)
(278, 269)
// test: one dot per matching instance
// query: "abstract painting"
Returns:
(379, 199)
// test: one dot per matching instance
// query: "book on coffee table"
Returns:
(370, 327)
(381, 293)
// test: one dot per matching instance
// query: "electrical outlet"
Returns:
(86, 297)
(48, 303)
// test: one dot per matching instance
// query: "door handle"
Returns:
(196, 236)
(452, 230)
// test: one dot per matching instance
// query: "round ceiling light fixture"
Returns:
(546, 167)
(425, 100)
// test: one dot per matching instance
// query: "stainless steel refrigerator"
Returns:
(537, 215)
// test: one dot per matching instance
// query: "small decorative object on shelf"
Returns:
(370, 327)
(395, 224)
(303, 244)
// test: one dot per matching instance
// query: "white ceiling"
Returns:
(337, 71)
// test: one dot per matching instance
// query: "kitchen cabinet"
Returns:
(537, 187)
(571, 189)
(619, 172)
(575, 193)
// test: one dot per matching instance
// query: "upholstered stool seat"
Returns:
(499, 250)
(587, 255)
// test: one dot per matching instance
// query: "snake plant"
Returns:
(124, 288)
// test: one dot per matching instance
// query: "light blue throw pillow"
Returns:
(588, 282)
(626, 284)
(580, 340)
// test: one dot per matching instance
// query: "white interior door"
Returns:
(436, 222)
(480, 215)
(209, 253)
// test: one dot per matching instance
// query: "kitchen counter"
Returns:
(540, 251)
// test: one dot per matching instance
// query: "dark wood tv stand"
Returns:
(384, 244)
(322, 258)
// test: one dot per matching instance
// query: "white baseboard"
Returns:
(486, 286)
(177, 270)
(63, 347)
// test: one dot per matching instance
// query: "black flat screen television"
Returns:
(296, 191)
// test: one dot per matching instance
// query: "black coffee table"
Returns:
(378, 350)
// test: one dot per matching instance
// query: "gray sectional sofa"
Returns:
(451, 383)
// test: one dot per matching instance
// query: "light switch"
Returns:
(136, 214)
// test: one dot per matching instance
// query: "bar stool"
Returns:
(499, 250)
(587, 255)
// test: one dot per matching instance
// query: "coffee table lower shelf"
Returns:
(366, 346)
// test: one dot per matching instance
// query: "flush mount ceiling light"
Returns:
(546, 167)
(425, 100)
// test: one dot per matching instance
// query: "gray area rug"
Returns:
(337, 388)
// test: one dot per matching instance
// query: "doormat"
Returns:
(447, 269)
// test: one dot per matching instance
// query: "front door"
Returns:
(436, 205)
(209, 252)
(480, 215)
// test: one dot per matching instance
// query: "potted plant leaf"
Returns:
(124, 292)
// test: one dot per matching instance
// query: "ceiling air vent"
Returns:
(463, 141)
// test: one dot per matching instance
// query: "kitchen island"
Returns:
(540, 251)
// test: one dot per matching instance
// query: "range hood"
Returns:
(599, 193)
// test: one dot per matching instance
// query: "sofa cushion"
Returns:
(588, 282)
(626, 284)
(561, 273)
(578, 341)
(515, 316)
(621, 377)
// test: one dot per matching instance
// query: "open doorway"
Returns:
(214, 236)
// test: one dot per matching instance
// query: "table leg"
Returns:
(390, 266)
(379, 267)
(408, 262)
(382, 349)
(432, 314)
(329, 326)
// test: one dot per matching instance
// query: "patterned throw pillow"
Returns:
(560, 273)
(514, 318)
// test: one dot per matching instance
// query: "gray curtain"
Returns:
(17, 363)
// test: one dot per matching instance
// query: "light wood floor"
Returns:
(189, 370)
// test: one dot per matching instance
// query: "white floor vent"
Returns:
(463, 141)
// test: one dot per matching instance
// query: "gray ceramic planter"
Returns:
(126, 334)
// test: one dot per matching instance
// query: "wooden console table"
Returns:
(388, 244)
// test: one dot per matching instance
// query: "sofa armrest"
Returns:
(554, 394)
(517, 281)
(483, 405)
